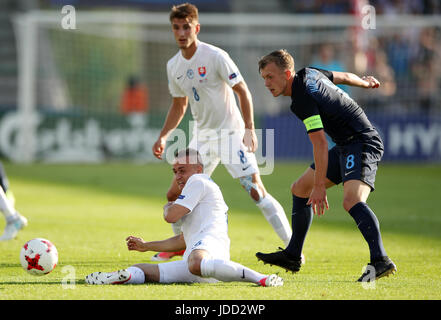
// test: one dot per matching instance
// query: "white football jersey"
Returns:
(208, 211)
(207, 80)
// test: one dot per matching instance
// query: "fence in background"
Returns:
(72, 81)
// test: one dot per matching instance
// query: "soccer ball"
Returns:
(38, 256)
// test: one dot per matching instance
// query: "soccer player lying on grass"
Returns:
(204, 237)
(323, 107)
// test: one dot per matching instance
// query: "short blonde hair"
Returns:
(281, 58)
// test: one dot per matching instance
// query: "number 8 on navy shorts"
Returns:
(355, 161)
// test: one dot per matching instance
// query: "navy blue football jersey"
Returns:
(320, 104)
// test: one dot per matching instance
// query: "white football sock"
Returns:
(227, 271)
(137, 275)
(275, 215)
(6, 207)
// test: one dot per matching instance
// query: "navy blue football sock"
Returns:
(369, 226)
(301, 221)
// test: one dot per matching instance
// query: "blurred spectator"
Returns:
(317, 6)
(399, 54)
(426, 69)
(386, 74)
(387, 7)
(394, 7)
(299, 6)
(431, 7)
(134, 102)
(377, 65)
(334, 6)
(326, 59)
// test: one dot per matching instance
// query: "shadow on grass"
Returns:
(81, 281)
(29, 282)
(82, 264)
(9, 265)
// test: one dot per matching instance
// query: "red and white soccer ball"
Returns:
(38, 256)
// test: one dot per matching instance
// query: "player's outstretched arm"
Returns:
(175, 243)
(354, 80)
(246, 105)
(174, 117)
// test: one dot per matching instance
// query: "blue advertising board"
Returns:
(410, 137)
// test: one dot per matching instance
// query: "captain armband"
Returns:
(313, 123)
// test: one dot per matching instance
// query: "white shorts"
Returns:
(177, 271)
(230, 151)
(218, 247)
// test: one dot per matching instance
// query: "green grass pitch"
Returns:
(88, 210)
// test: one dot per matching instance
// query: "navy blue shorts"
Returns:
(357, 160)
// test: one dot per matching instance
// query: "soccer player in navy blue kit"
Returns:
(323, 107)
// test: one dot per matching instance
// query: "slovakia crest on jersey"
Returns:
(202, 71)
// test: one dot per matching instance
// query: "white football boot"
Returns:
(272, 280)
(13, 226)
(117, 277)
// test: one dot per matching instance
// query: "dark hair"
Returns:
(281, 58)
(184, 11)
(193, 155)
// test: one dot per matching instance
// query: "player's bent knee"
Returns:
(194, 266)
(294, 190)
(255, 195)
(349, 202)
(251, 187)
(300, 189)
(194, 262)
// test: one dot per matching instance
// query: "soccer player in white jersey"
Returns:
(206, 77)
(204, 237)
(14, 221)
